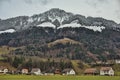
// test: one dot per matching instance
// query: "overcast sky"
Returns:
(109, 9)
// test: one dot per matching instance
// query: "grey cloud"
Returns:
(4, 1)
(102, 0)
(118, 2)
(43, 2)
(28, 1)
(90, 3)
(94, 3)
(118, 13)
(98, 11)
(1, 1)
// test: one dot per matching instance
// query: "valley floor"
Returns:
(57, 77)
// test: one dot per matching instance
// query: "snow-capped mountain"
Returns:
(57, 18)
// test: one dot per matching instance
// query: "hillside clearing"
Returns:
(77, 64)
(6, 49)
(63, 41)
(7, 65)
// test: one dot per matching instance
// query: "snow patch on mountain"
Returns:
(75, 21)
(8, 31)
(57, 14)
(70, 25)
(95, 28)
(75, 24)
(46, 24)
(39, 19)
(30, 20)
(60, 19)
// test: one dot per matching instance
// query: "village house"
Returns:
(36, 71)
(99, 62)
(91, 71)
(106, 71)
(3, 70)
(117, 61)
(68, 72)
(24, 71)
(57, 71)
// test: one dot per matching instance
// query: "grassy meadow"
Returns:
(6, 49)
(29, 77)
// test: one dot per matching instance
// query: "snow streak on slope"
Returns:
(75, 24)
(7, 31)
(46, 24)
(95, 28)
(70, 25)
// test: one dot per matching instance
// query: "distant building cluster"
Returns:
(37, 71)
(68, 71)
(103, 71)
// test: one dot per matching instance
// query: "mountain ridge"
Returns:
(57, 17)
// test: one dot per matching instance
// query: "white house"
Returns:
(24, 71)
(36, 71)
(3, 70)
(117, 61)
(68, 72)
(107, 71)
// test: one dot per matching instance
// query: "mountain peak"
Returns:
(56, 10)
(56, 14)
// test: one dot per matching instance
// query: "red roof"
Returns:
(2, 68)
(105, 68)
(90, 70)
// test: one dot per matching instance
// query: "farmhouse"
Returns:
(106, 71)
(57, 71)
(3, 70)
(117, 61)
(91, 71)
(36, 71)
(68, 72)
(24, 71)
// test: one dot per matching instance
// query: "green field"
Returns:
(6, 49)
(29, 77)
